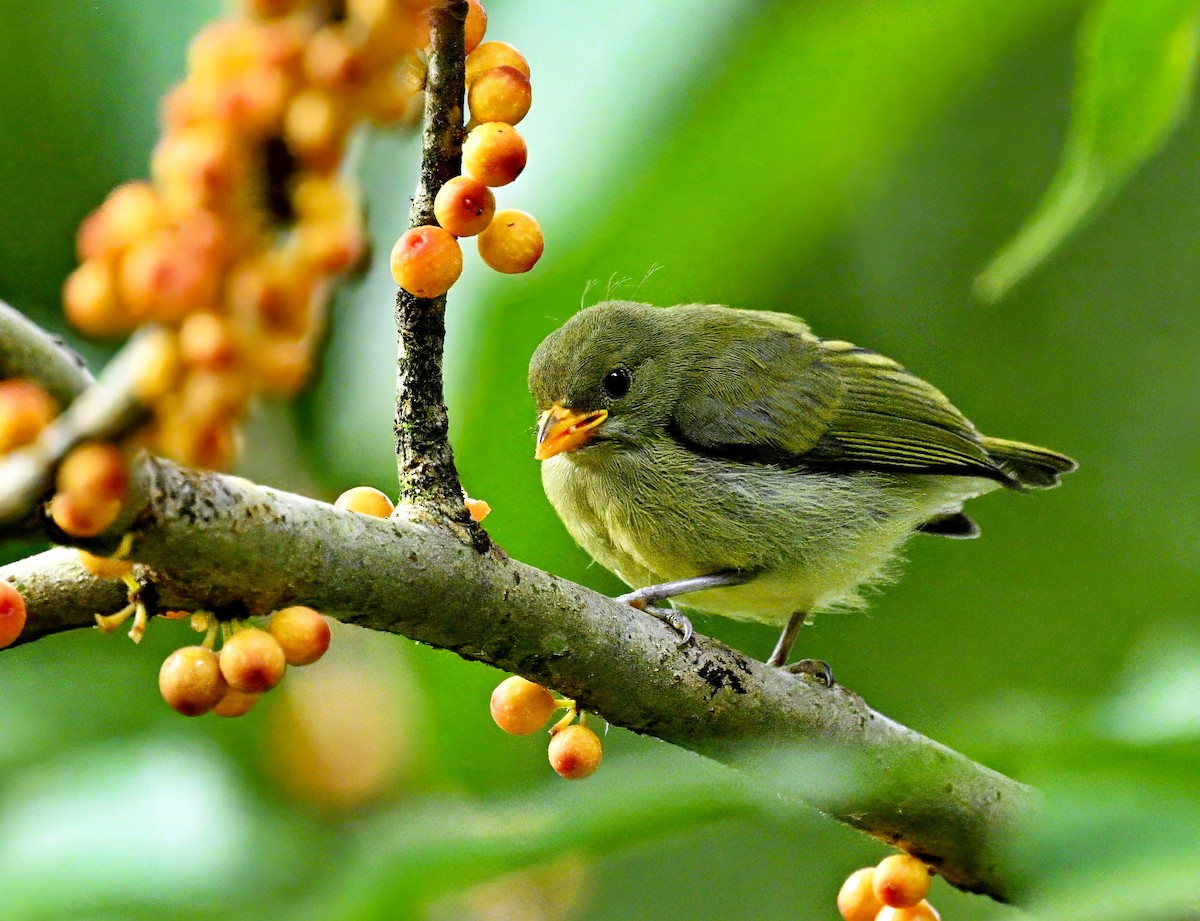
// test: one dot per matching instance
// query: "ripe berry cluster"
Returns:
(427, 260)
(197, 679)
(232, 246)
(521, 708)
(895, 890)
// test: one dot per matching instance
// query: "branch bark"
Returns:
(222, 541)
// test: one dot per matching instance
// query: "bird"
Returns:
(733, 460)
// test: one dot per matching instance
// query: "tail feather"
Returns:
(1032, 467)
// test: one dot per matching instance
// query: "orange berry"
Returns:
(302, 632)
(502, 94)
(252, 661)
(512, 242)
(475, 26)
(207, 340)
(96, 470)
(90, 301)
(494, 153)
(190, 680)
(464, 206)
(857, 900)
(314, 127)
(12, 613)
(131, 211)
(333, 246)
(104, 567)
(901, 881)
(235, 703)
(157, 364)
(494, 54)
(81, 515)
(520, 707)
(575, 752)
(159, 279)
(477, 508)
(25, 409)
(426, 261)
(366, 500)
(922, 911)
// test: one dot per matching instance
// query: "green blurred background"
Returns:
(852, 161)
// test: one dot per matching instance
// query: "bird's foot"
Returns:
(676, 621)
(814, 668)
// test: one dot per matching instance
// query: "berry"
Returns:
(922, 911)
(81, 515)
(12, 614)
(25, 409)
(464, 206)
(901, 881)
(478, 509)
(494, 54)
(512, 242)
(426, 261)
(130, 211)
(253, 661)
(104, 567)
(235, 703)
(501, 94)
(90, 301)
(520, 706)
(366, 500)
(475, 26)
(95, 470)
(857, 900)
(314, 128)
(207, 340)
(575, 752)
(190, 680)
(302, 632)
(494, 153)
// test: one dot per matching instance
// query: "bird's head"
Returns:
(603, 378)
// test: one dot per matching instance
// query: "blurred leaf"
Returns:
(1134, 68)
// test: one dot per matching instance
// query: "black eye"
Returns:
(617, 382)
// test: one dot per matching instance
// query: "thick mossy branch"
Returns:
(225, 541)
(428, 477)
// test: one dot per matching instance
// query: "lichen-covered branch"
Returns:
(428, 477)
(27, 350)
(223, 541)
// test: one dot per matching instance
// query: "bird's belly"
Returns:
(811, 539)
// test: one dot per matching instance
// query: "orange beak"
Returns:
(562, 429)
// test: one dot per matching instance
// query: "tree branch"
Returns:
(225, 541)
(428, 476)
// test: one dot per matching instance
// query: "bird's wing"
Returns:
(796, 399)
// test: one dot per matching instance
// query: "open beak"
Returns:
(562, 429)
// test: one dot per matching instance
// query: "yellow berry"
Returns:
(512, 242)
(25, 409)
(502, 94)
(901, 881)
(82, 515)
(575, 752)
(96, 469)
(494, 54)
(90, 301)
(922, 911)
(12, 613)
(857, 900)
(252, 661)
(426, 261)
(475, 26)
(464, 206)
(190, 680)
(494, 153)
(207, 340)
(366, 500)
(157, 365)
(235, 703)
(302, 632)
(314, 127)
(520, 707)
(130, 212)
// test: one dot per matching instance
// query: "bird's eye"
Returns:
(617, 382)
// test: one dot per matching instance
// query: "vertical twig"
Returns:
(428, 477)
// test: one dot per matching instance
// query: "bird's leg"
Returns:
(646, 597)
(787, 639)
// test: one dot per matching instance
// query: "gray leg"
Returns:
(814, 668)
(645, 598)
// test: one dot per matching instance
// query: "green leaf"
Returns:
(1134, 68)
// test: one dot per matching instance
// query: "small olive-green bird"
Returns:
(735, 456)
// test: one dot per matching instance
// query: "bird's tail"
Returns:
(1032, 467)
